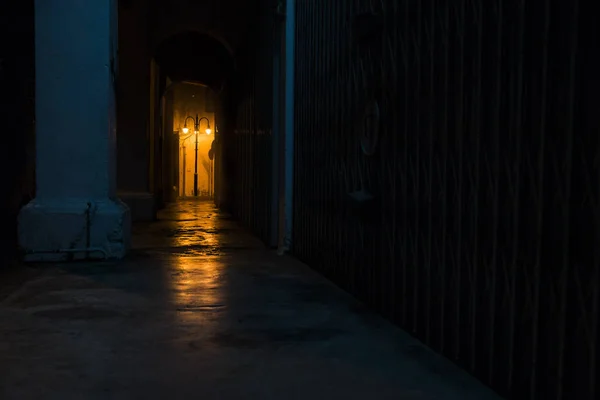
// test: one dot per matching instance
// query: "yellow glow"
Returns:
(198, 281)
(202, 135)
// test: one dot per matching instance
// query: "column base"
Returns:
(74, 229)
(141, 204)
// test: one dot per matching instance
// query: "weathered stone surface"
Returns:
(75, 213)
(73, 230)
(200, 309)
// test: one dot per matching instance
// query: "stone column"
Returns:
(75, 214)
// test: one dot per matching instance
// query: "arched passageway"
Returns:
(248, 167)
(191, 70)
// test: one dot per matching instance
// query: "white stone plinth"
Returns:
(61, 230)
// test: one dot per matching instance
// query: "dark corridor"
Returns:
(444, 166)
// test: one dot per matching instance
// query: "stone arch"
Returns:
(174, 31)
(193, 55)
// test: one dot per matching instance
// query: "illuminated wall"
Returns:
(190, 100)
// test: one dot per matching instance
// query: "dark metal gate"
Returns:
(252, 133)
(447, 172)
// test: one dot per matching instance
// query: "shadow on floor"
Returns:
(202, 309)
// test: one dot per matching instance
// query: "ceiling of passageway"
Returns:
(193, 56)
(195, 40)
(225, 19)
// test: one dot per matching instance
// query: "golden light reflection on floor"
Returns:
(198, 287)
(198, 226)
(203, 270)
(198, 273)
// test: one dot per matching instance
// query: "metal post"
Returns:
(196, 166)
(184, 194)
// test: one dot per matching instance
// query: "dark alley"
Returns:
(202, 310)
(272, 199)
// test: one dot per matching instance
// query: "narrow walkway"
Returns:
(201, 310)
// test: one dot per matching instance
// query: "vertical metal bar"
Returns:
(444, 177)
(281, 31)
(459, 59)
(404, 41)
(540, 209)
(337, 157)
(517, 102)
(310, 127)
(317, 177)
(495, 176)
(417, 169)
(430, 35)
(393, 172)
(477, 100)
(565, 262)
(183, 192)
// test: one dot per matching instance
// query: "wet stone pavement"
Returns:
(201, 310)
